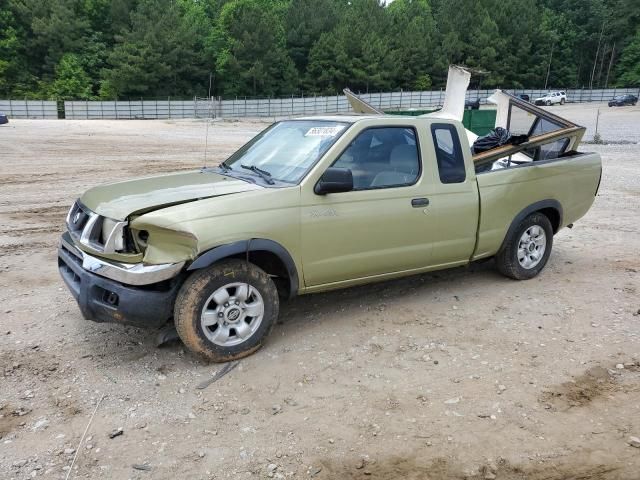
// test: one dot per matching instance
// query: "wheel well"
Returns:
(268, 255)
(549, 208)
(272, 265)
(554, 217)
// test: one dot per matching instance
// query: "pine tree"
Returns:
(629, 64)
(71, 81)
(251, 55)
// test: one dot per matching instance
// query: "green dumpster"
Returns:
(479, 122)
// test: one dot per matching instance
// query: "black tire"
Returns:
(548, 103)
(562, 101)
(507, 258)
(198, 288)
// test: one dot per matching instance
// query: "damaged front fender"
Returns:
(161, 245)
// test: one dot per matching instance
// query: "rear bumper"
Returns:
(102, 299)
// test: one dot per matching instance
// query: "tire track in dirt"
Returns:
(583, 389)
(33, 221)
(40, 212)
(29, 178)
(25, 247)
(576, 467)
(19, 232)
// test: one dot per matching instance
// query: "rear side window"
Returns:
(451, 166)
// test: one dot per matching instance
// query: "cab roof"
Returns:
(352, 118)
(338, 118)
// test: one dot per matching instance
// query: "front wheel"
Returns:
(527, 249)
(548, 103)
(224, 312)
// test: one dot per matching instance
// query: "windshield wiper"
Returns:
(266, 176)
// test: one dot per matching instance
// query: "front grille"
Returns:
(77, 219)
(86, 227)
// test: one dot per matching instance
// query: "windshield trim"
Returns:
(227, 170)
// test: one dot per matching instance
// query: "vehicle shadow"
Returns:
(131, 345)
(351, 300)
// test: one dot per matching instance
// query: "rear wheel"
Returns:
(562, 101)
(224, 312)
(526, 251)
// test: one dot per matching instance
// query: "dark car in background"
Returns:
(3, 119)
(472, 104)
(525, 97)
(623, 100)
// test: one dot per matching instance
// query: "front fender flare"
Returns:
(246, 246)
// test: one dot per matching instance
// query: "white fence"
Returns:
(29, 108)
(142, 109)
(265, 107)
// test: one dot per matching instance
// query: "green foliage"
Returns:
(356, 52)
(252, 58)
(71, 81)
(156, 48)
(629, 64)
(560, 40)
(8, 51)
(422, 82)
(160, 52)
(303, 27)
(415, 52)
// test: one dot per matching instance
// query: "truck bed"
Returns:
(571, 181)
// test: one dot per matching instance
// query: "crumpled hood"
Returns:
(121, 199)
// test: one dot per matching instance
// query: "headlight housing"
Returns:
(112, 235)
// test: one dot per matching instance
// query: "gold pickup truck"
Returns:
(320, 203)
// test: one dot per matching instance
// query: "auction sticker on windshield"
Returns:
(324, 131)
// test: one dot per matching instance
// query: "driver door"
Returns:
(380, 227)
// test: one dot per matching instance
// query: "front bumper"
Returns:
(104, 299)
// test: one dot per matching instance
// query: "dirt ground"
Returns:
(450, 375)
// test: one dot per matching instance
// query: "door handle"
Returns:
(419, 202)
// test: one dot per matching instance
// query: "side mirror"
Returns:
(334, 180)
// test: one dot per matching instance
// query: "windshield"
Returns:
(286, 150)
